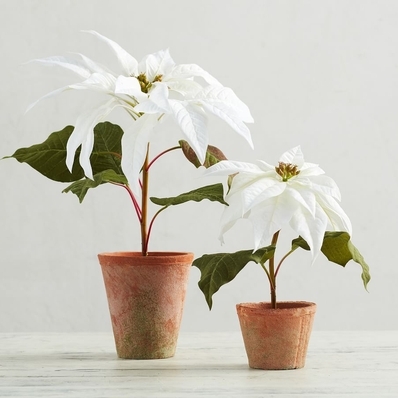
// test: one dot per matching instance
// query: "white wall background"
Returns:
(323, 74)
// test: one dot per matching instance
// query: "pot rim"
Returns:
(139, 254)
(293, 307)
(153, 258)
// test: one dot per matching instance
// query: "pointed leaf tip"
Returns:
(220, 268)
(213, 155)
(49, 157)
(81, 187)
(214, 193)
(338, 248)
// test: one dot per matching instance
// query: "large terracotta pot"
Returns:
(146, 297)
(276, 338)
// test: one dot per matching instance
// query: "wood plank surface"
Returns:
(339, 364)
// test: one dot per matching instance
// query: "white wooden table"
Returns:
(339, 364)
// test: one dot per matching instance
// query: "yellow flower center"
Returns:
(287, 170)
(145, 83)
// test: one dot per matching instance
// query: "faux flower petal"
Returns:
(239, 183)
(159, 95)
(227, 167)
(83, 134)
(228, 99)
(184, 71)
(311, 227)
(265, 166)
(157, 101)
(260, 191)
(230, 215)
(229, 116)
(97, 82)
(293, 156)
(325, 185)
(304, 196)
(310, 169)
(94, 67)
(271, 216)
(134, 147)
(48, 95)
(193, 123)
(129, 86)
(156, 64)
(187, 88)
(128, 62)
(338, 219)
(68, 63)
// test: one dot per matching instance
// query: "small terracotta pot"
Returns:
(146, 296)
(276, 338)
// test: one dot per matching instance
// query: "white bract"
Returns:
(148, 90)
(294, 193)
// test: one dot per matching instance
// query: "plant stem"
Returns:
(161, 154)
(151, 224)
(146, 232)
(283, 259)
(136, 205)
(132, 197)
(272, 276)
(144, 205)
(266, 271)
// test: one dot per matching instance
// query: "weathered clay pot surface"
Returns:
(146, 298)
(276, 338)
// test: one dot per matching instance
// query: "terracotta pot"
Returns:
(146, 297)
(276, 338)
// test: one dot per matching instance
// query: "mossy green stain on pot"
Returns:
(143, 337)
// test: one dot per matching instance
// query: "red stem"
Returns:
(132, 197)
(161, 154)
(142, 212)
(282, 260)
(151, 224)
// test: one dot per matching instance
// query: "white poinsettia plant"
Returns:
(93, 151)
(293, 194)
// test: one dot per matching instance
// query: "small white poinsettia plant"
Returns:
(294, 194)
(93, 151)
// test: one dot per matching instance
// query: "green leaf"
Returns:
(300, 242)
(338, 248)
(221, 268)
(107, 150)
(49, 157)
(213, 155)
(80, 188)
(214, 193)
